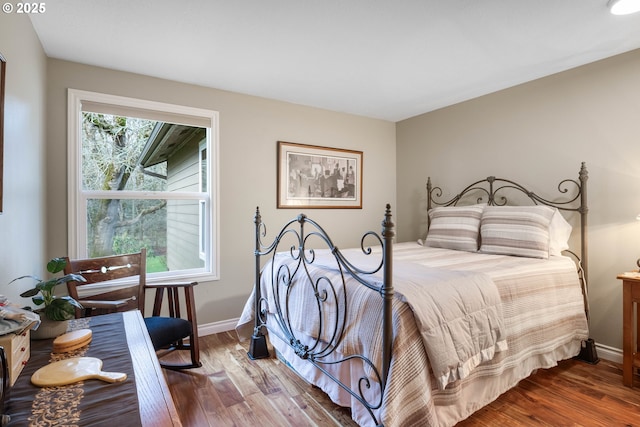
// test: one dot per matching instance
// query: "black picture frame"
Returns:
(311, 176)
(3, 67)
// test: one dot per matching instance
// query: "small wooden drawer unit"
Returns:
(630, 325)
(17, 348)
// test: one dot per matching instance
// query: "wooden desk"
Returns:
(630, 326)
(155, 401)
(122, 341)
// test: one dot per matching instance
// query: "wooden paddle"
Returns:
(69, 371)
(71, 341)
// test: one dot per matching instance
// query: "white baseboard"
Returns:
(609, 353)
(216, 327)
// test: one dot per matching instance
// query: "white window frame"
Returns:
(77, 234)
(202, 217)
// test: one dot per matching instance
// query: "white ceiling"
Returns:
(388, 59)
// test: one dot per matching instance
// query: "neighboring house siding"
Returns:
(182, 216)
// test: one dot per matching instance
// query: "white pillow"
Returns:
(516, 230)
(559, 233)
(454, 227)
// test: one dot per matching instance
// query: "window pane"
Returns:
(128, 153)
(168, 229)
(203, 169)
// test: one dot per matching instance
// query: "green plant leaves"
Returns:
(37, 279)
(56, 265)
(30, 293)
(70, 278)
(60, 309)
(55, 308)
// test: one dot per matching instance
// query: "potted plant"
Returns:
(48, 305)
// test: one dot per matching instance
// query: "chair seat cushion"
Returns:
(165, 331)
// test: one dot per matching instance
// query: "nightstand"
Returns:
(630, 326)
(17, 348)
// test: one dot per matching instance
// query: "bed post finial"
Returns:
(387, 223)
(257, 218)
(258, 347)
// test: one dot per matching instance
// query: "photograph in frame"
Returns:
(311, 176)
(3, 66)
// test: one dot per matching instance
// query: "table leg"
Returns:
(628, 346)
(635, 337)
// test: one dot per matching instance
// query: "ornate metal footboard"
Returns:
(300, 240)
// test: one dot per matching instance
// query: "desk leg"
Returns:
(627, 334)
(635, 337)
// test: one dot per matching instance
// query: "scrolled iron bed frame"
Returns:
(303, 229)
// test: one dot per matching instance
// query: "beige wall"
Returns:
(538, 133)
(249, 130)
(22, 224)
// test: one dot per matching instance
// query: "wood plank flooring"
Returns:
(232, 390)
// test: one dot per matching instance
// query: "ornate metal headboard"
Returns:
(496, 191)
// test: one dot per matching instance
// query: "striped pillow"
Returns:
(455, 227)
(516, 230)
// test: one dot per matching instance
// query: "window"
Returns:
(144, 174)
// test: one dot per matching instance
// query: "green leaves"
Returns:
(56, 265)
(30, 293)
(60, 309)
(55, 308)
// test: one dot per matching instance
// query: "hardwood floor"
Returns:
(232, 390)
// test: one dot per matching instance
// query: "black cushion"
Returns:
(164, 331)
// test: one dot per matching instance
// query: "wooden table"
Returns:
(630, 326)
(122, 341)
(155, 401)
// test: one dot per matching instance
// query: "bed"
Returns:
(428, 332)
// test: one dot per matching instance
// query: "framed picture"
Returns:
(2, 76)
(310, 176)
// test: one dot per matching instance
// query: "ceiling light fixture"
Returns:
(624, 7)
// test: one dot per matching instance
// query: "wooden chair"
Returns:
(97, 297)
